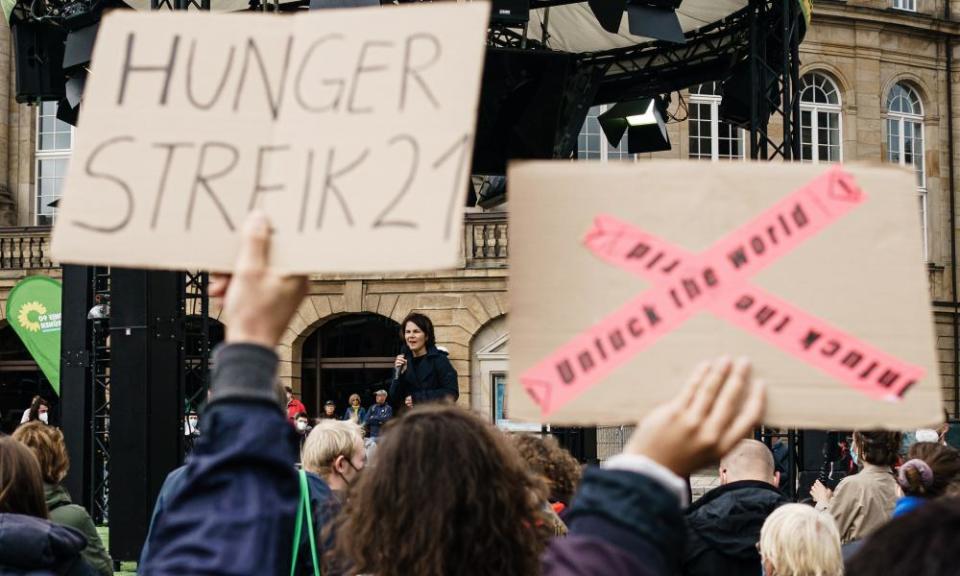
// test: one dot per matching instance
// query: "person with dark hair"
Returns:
(294, 405)
(865, 501)
(930, 471)
(48, 446)
(329, 411)
(723, 527)
(39, 410)
(922, 543)
(29, 542)
(425, 372)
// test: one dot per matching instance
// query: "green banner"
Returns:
(33, 310)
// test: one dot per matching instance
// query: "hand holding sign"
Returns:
(352, 130)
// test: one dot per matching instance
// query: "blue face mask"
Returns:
(854, 455)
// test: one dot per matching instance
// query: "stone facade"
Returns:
(863, 46)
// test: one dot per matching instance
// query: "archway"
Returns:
(350, 354)
(20, 380)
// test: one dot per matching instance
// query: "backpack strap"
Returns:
(303, 509)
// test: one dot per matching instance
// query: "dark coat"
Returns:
(621, 524)
(38, 547)
(429, 379)
(723, 528)
(325, 504)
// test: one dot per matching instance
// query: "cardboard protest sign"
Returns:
(625, 276)
(352, 129)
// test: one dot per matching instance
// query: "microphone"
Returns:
(396, 369)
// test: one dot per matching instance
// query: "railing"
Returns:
(25, 248)
(486, 244)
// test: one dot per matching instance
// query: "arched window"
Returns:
(711, 139)
(905, 140)
(350, 354)
(821, 136)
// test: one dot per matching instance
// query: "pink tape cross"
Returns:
(716, 280)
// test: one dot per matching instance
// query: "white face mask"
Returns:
(192, 422)
(44, 417)
(301, 426)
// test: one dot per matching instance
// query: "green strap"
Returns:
(303, 509)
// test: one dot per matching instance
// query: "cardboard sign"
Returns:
(815, 273)
(352, 129)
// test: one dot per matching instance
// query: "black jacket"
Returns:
(428, 379)
(723, 529)
(37, 547)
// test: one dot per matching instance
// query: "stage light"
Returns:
(643, 121)
(655, 19)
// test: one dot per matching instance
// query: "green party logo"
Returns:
(33, 317)
(33, 311)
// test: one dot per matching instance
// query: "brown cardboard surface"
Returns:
(863, 274)
(352, 129)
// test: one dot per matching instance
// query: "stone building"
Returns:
(875, 89)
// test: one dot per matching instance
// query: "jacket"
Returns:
(723, 528)
(66, 513)
(171, 485)
(430, 378)
(863, 502)
(377, 416)
(38, 547)
(236, 508)
(621, 524)
(361, 415)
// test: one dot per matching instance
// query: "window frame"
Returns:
(905, 5)
(713, 101)
(605, 147)
(916, 120)
(815, 108)
(40, 155)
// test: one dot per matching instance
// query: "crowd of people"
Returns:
(448, 493)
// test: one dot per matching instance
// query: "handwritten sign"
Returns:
(352, 129)
(814, 273)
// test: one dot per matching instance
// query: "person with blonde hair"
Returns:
(355, 412)
(797, 540)
(333, 456)
(47, 444)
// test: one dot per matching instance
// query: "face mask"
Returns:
(301, 426)
(192, 422)
(44, 417)
(854, 455)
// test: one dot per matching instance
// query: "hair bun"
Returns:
(921, 468)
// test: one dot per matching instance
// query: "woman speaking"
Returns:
(422, 373)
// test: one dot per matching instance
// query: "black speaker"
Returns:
(38, 51)
(520, 108)
(75, 382)
(146, 412)
(510, 12)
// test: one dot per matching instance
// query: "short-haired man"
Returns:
(377, 416)
(723, 527)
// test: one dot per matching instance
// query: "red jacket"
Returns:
(294, 407)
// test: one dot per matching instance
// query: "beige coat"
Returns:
(863, 502)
